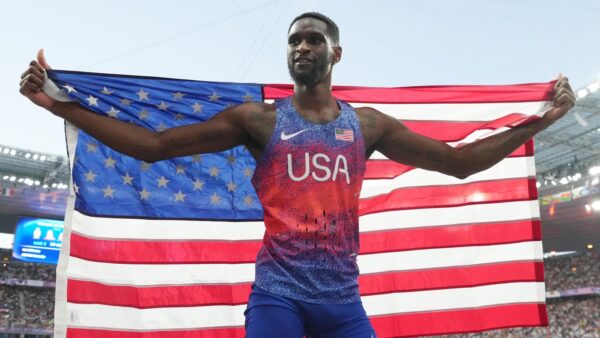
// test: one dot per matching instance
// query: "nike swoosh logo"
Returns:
(287, 137)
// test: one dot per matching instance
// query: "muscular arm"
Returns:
(232, 127)
(222, 132)
(398, 143)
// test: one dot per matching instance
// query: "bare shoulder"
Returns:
(373, 124)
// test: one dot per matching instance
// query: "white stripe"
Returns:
(512, 167)
(476, 213)
(459, 111)
(131, 228)
(159, 274)
(126, 228)
(459, 298)
(185, 274)
(170, 318)
(447, 257)
(181, 318)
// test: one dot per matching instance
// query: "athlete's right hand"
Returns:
(32, 81)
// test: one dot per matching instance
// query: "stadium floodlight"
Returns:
(588, 208)
(538, 184)
(13, 152)
(6, 150)
(45, 186)
(564, 180)
(576, 176)
(595, 181)
(590, 246)
(582, 93)
(36, 182)
(593, 87)
(596, 205)
(595, 170)
(53, 185)
(12, 178)
(35, 156)
(43, 158)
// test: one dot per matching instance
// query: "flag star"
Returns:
(161, 127)
(198, 184)
(108, 191)
(90, 176)
(214, 97)
(92, 147)
(145, 166)
(162, 105)
(125, 102)
(106, 91)
(113, 112)
(248, 200)
(92, 101)
(180, 169)
(142, 95)
(143, 114)
(127, 179)
(179, 197)
(231, 186)
(214, 171)
(179, 116)
(162, 182)
(109, 162)
(178, 96)
(197, 107)
(196, 158)
(247, 97)
(230, 159)
(214, 198)
(144, 194)
(248, 172)
(69, 88)
(75, 188)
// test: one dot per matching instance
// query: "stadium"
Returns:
(35, 189)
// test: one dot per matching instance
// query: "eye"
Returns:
(292, 41)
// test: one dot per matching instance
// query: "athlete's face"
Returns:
(311, 53)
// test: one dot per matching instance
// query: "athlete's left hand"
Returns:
(563, 100)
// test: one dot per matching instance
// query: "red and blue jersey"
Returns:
(308, 180)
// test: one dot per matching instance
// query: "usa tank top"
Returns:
(308, 180)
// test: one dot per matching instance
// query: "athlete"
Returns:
(310, 150)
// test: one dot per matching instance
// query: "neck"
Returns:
(315, 98)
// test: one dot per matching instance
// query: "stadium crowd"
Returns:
(573, 271)
(26, 308)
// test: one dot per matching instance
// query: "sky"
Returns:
(385, 43)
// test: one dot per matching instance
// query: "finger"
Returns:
(31, 87)
(36, 65)
(42, 59)
(36, 72)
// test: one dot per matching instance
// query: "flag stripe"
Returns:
(123, 228)
(182, 274)
(196, 252)
(86, 292)
(128, 318)
(233, 332)
(516, 167)
(379, 167)
(460, 321)
(517, 189)
(430, 94)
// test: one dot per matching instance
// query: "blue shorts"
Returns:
(269, 315)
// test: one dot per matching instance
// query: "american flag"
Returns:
(344, 134)
(167, 249)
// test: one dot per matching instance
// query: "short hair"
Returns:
(332, 28)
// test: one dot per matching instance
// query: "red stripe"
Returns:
(161, 252)
(449, 236)
(180, 252)
(516, 189)
(233, 332)
(157, 296)
(460, 321)
(381, 169)
(431, 94)
(452, 277)
(85, 292)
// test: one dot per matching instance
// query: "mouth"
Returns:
(303, 60)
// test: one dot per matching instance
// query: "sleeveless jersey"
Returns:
(308, 180)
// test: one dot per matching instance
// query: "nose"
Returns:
(302, 47)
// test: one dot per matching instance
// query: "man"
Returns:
(310, 151)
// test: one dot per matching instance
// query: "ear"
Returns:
(337, 54)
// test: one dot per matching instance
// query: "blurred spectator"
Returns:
(573, 271)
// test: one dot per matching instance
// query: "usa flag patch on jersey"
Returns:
(344, 134)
